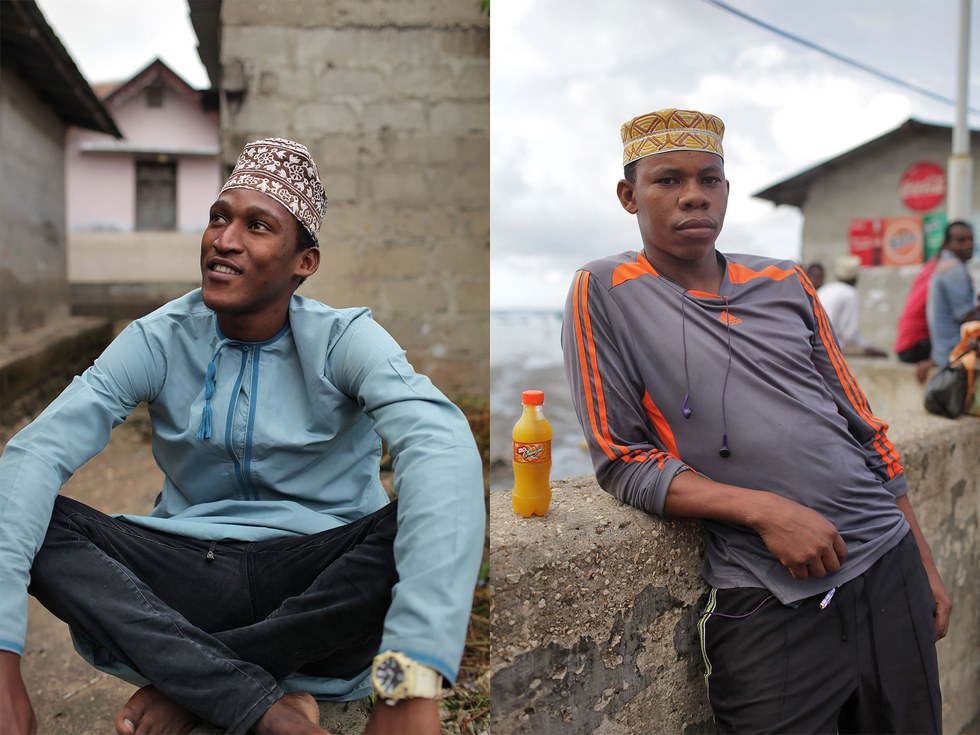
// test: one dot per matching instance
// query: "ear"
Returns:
(626, 191)
(308, 263)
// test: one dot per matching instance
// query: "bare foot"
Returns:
(148, 712)
(296, 713)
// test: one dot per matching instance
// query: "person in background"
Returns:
(912, 343)
(952, 299)
(709, 385)
(815, 273)
(842, 302)
(273, 565)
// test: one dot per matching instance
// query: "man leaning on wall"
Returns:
(711, 386)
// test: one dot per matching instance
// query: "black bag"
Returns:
(946, 391)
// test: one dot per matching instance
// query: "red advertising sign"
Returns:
(922, 186)
(901, 240)
(864, 237)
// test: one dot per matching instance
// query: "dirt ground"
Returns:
(69, 696)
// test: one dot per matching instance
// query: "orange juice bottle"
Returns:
(532, 457)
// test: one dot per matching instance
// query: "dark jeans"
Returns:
(215, 625)
(864, 664)
(917, 352)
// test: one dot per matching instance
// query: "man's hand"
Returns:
(16, 713)
(805, 542)
(415, 716)
(944, 606)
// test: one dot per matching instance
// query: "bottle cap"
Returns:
(532, 397)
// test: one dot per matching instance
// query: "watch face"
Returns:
(389, 675)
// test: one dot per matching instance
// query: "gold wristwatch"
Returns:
(395, 676)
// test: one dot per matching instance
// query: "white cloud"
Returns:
(568, 74)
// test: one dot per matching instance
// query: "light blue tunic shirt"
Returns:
(294, 449)
(951, 300)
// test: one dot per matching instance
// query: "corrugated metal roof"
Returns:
(32, 50)
(793, 191)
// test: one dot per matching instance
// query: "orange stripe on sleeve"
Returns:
(849, 383)
(660, 424)
(592, 380)
(579, 306)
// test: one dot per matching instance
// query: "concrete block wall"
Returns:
(392, 98)
(594, 611)
(33, 283)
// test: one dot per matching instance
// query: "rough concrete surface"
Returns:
(575, 648)
(594, 607)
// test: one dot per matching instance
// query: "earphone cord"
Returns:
(685, 409)
(724, 387)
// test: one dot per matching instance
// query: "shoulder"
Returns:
(187, 315)
(836, 289)
(350, 335)
(763, 272)
(603, 269)
(949, 266)
(762, 263)
(310, 318)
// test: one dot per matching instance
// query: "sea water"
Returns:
(525, 354)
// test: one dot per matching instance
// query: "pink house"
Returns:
(136, 206)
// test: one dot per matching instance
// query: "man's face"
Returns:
(961, 242)
(679, 200)
(249, 260)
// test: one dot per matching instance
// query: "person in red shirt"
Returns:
(912, 343)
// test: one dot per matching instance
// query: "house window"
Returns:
(154, 95)
(156, 195)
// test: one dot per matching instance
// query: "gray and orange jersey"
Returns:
(760, 372)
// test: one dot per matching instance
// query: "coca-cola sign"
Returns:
(922, 186)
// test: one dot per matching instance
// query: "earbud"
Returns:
(685, 411)
(724, 452)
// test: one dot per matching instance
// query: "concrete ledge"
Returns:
(595, 606)
(593, 618)
(125, 300)
(890, 386)
(35, 366)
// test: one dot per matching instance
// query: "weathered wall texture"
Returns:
(595, 606)
(392, 99)
(33, 284)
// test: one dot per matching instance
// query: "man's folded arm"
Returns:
(439, 481)
(631, 453)
(44, 455)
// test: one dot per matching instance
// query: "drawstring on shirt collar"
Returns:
(204, 431)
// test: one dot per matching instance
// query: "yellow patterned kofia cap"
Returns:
(671, 130)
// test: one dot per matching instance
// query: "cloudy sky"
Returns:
(565, 75)
(111, 40)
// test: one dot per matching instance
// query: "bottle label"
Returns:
(533, 452)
